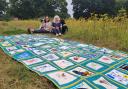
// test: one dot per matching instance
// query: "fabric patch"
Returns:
(78, 59)
(32, 61)
(39, 52)
(105, 59)
(44, 68)
(118, 76)
(124, 67)
(6, 44)
(16, 51)
(11, 48)
(23, 55)
(94, 66)
(79, 71)
(51, 57)
(62, 77)
(82, 85)
(104, 83)
(63, 63)
(63, 47)
(65, 54)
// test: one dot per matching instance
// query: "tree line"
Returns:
(28, 9)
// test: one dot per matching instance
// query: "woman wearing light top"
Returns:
(45, 27)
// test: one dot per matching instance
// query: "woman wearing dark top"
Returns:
(64, 26)
(57, 26)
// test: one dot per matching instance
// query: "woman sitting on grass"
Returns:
(57, 26)
(45, 27)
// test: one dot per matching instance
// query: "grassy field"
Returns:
(107, 33)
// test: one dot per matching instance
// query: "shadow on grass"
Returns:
(14, 32)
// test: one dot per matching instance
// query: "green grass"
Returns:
(107, 33)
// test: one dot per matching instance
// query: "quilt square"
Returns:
(79, 71)
(38, 44)
(91, 56)
(24, 55)
(62, 77)
(16, 51)
(11, 48)
(77, 59)
(32, 61)
(82, 45)
(106, 60)
(104, 50)
(118, 76)
(63, 63)
(39, 52)
(6, 44)
(64, 47)
(53, 50)
(45, 47)
(44, 68)
(65, 54)
(124, 67)
(82, 85)
(117, 57)
(51, 57)
(94, 66)
(104, 83)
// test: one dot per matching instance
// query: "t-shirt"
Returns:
(46, 26)
(57, 25)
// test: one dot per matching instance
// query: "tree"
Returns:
(26, 9)
(3, 6)
(83, 8)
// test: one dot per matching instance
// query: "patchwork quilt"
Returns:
(69, 64)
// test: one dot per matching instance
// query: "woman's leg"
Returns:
(59, 31)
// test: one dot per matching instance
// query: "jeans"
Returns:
(40, 31)
(56, 31)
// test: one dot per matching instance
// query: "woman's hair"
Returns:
(45, 19)
(56, 16)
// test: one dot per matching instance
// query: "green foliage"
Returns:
(26, 9)
(3, 6)
(84, 8)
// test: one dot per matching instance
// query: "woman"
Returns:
(45, 27)
(64, 26)
(57, 26)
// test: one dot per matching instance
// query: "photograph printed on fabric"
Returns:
(79, 71)
(32, 61)
(104, 83)
(82, 85)
(11, 48)
(118, 76)
(44, 68)
(39, 52)
(124, 67)
(106, 60)
(51, 57)
(77, 59)
(65, 53)
(63, 63)
(16, 51)
(6, 44)
(62, 77)
(94, 65)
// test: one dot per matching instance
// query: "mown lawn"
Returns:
(103, 33)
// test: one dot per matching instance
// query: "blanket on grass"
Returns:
(69, 64)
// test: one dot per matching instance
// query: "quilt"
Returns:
(69, 64)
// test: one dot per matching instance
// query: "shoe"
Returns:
(57, 34)
(30, 31)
